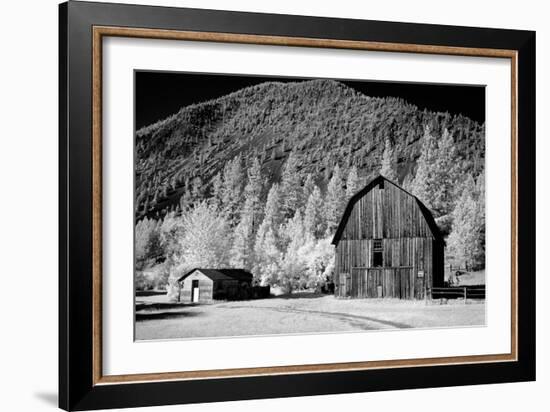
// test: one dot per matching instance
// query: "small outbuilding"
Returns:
(205, 285)
(387, 245)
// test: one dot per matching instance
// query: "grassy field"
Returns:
(298, 313)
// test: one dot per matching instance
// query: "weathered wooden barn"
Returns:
(205, 285)
(387, 245)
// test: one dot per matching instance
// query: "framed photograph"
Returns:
(256, 206)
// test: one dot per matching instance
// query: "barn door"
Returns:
(404, 283)
(358, 283)
(195, 291)
(375, 283)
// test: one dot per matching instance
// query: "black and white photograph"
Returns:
(272, 205)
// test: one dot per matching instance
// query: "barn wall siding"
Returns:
(386, 213)
(412, 255)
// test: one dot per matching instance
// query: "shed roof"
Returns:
(372, 184)
(222, 274)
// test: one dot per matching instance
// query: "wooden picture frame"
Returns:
(82, 386)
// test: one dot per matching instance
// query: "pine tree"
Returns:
(266, 243)
(240, 254)
(389, 162)
(272, 214)
(290, 185)
(424, 186)
(253, 192)
(307, 190)
(334, 201)
(437, 176)
(197, 189)
(293, 229)
(268, 258)
(313, 214)
(352, 183)
(186, 200)
(232, 190)
(446, 175)
(216, 191)
(408, 182)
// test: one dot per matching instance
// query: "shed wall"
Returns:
(206, 287)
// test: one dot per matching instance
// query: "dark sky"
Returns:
(160, 94)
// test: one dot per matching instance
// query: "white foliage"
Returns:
(205, 240)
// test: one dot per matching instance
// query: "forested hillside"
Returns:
(323, 122)
(259, 179)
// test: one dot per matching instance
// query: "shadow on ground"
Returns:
(302, 295)
(141, 316)
(161, 305)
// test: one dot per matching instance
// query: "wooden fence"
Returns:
(463, 292)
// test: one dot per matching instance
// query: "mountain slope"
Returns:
(323, 121)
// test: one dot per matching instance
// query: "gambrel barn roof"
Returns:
(434, 229)
(222, 274)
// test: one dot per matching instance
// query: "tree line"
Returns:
(456, 197)
(282, 230)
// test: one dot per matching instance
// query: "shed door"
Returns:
(195, 291)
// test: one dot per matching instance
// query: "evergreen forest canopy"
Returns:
(259, 178)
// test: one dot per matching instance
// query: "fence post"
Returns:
(465, 294)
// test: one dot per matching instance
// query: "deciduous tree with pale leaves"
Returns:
(148, 246)
(292, 264)
(466, 243)
(205, 238)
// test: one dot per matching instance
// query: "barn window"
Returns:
(377, 253)
(381, 185)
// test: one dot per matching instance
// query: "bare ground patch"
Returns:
(301, 314)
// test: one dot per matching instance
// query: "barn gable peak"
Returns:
(381, 181)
